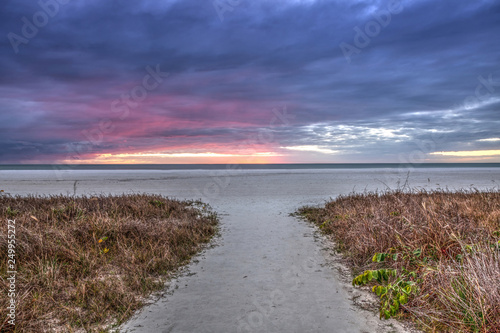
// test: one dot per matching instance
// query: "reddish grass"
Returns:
(458, 234)
(68, 280)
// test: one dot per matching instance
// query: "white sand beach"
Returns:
(268, 271)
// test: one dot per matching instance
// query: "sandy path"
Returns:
(268, 274)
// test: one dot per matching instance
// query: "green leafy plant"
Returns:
(324, 224)
(11, 212)
(393, 289)
(157, 203)
(380, 257)
(380, 275)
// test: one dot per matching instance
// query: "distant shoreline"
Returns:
(63, 167)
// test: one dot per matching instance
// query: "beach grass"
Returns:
(85, 264)
(432, 257)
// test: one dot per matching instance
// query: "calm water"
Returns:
(244, 166)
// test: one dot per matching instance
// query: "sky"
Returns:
(240, 81)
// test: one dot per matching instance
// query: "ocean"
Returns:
(242, 166)
(215, 182)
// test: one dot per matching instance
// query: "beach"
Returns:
(267, 271)
(248, 166)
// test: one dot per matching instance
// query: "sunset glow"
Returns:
(266, 82)
(180, 158)
(469, 153)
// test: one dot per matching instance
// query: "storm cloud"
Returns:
(358, 81)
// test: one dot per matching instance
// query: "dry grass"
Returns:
(85, 264)
(449, 240)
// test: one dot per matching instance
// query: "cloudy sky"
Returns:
(261, 81)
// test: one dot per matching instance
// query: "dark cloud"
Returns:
(413, 79)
